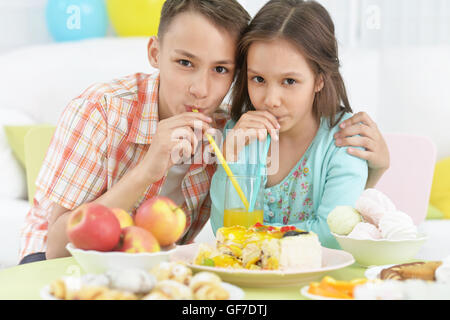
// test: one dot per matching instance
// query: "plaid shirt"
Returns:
(101, 135)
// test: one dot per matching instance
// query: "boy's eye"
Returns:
(289, 81)
(221, 70)
(258, 79)
(185, 63)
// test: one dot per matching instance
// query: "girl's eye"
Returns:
(258, 79)
(221, 70)
(289, 81)
(185, 63)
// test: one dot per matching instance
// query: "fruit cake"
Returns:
(262, 247)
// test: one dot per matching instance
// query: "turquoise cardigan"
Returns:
(325, 177)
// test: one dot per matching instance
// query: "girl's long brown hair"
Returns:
(307, 25)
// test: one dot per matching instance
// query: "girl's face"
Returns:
(280, 81)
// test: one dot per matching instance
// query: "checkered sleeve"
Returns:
(73, 172)
(74, 169)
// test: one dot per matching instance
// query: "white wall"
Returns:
(395, 55)
(404, 22)
(380, 23)
(22, 22)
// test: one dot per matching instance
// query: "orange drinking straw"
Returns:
(227, 169)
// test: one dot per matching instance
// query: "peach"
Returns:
(135, 240)
(93, 226)
(124, 217)
(163, 218)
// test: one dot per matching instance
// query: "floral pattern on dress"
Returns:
(291, 200)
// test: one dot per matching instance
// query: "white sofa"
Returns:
(38, 82)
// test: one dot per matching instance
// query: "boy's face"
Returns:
(196, 61)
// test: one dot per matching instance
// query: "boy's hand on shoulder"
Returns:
(176, 138)
(376, 151)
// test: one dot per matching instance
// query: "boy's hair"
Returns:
(308, 26)
(228, 15)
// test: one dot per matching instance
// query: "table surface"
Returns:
(24, 282)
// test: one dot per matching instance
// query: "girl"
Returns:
(290, 86)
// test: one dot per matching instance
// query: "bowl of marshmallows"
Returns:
(374, 231)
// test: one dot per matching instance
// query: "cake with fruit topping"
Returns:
(262, 247)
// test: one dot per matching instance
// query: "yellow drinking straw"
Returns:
(227, 168)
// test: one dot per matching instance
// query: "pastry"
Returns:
(175, 283)
(397, 225)
(414, 270)
(58, 289)
(73, 289)
(157, 295)
(373, 218)
(373, 205)
(208, 286)
(365, 231)
(172, 271)
(102, 293)
(169, 290)
(137, 281)
(342, 219)
(101, 280)
(66, 287)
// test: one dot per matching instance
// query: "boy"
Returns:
(113, 143)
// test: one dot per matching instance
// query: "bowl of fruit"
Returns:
(103, 238)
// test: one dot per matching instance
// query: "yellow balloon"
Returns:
(440, 190)
(131, 18)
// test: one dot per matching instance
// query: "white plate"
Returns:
(331, 260)
(99, 262)
(236, 293)
(304, 292)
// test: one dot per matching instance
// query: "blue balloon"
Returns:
(69, 20)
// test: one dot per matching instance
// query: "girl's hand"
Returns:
(376, 153)
(251, 126)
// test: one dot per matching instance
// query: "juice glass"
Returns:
(235, 212)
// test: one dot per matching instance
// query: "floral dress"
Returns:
(290, 201)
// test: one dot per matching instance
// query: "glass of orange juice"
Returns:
(235, 212)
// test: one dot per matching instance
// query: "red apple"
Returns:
(135, 239)
(93, 227)
(163, 218)
(124, 217)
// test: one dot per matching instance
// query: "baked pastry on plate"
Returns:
(414, 270)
